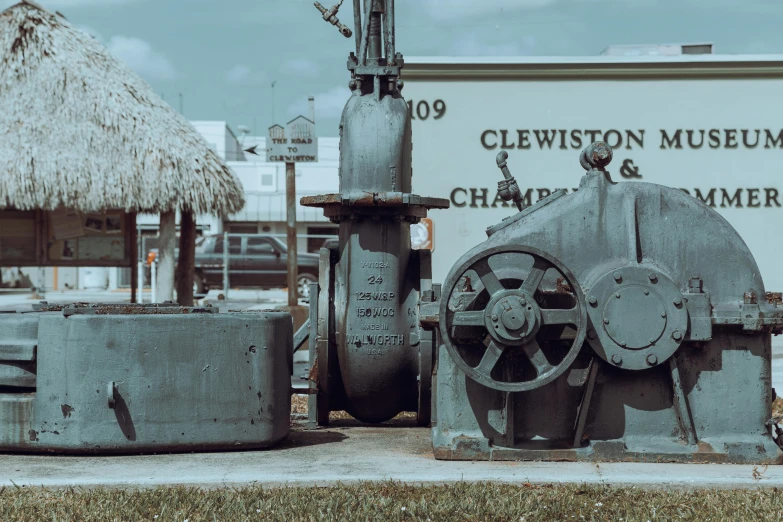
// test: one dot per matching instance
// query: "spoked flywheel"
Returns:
(513, 318)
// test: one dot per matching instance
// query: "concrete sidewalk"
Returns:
(352, 454)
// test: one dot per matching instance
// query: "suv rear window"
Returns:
(258, 245)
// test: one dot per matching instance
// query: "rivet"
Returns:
(663, 314)
(652, 341)
(591, 334)
(522, 301)
(606, 320)
(646, 292)
(652, 359)
(617, 295)
(622, 343)
(653, 277)
(618, 276)
(617, 359)
(593, 301)
(676, 335)
(677, 301)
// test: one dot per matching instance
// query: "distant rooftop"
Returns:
(658, 49)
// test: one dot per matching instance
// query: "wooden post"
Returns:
(290, 203)
(167, 244)
(133, 255)
(187, 258)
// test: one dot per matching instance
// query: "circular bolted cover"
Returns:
(638, 315)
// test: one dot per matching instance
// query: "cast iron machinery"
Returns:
(372, 358)
(624, 321)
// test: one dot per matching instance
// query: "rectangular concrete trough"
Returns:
(144, 379)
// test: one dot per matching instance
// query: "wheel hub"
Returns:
(512, 317)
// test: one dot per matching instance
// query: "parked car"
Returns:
(259, 261)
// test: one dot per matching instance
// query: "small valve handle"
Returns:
(330, 16)
(596, 156)
(508, 189)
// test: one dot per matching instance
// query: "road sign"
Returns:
(294, 143)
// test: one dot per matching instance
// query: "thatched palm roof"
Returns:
(79, 129)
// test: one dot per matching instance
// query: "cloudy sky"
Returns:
(223, 55)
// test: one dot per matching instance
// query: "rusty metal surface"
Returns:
(370, 351)
(149, 382)
(374, 199)
(695, 302)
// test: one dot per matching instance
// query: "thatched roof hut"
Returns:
(79, 129)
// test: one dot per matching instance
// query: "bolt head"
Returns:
(652, 359)
(653, 277)
(663, 314)
(522, 301)
(677, 301)
(618, 276)
(646, 292)
(617, 295)
(606, 320)
(676, 335)
(494, 317)
(593, 301)
(616, 359)
(623, 343)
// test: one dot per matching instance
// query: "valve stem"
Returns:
(508, 188)
(329, 16)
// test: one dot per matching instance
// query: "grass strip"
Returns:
(389, 501)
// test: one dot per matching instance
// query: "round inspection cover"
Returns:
(638, 316)
(639, 306)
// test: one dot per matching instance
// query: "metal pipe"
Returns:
(357, 24)
(290, 205)
(225, 265)
(140, 271)
(375, 43)
(365, 32)
(153, 281)
(389, 24)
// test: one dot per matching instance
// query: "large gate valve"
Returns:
(505, 324)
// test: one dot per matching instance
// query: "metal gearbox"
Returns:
(625, 321)
(372, 351)
(137, 379)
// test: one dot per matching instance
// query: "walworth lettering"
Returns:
(713, 197)
(629, 139)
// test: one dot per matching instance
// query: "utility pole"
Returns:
(181, 110)
(274, 116)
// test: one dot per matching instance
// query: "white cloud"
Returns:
(141, 57)
(92, 32)
(328, 104)
(301, 67)
(243, 75)
(451, 9)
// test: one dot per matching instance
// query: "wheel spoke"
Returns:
(490, 358)
(487, 276)
(468, 319)
(535, 275)
(559, 316)
(536, 356)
